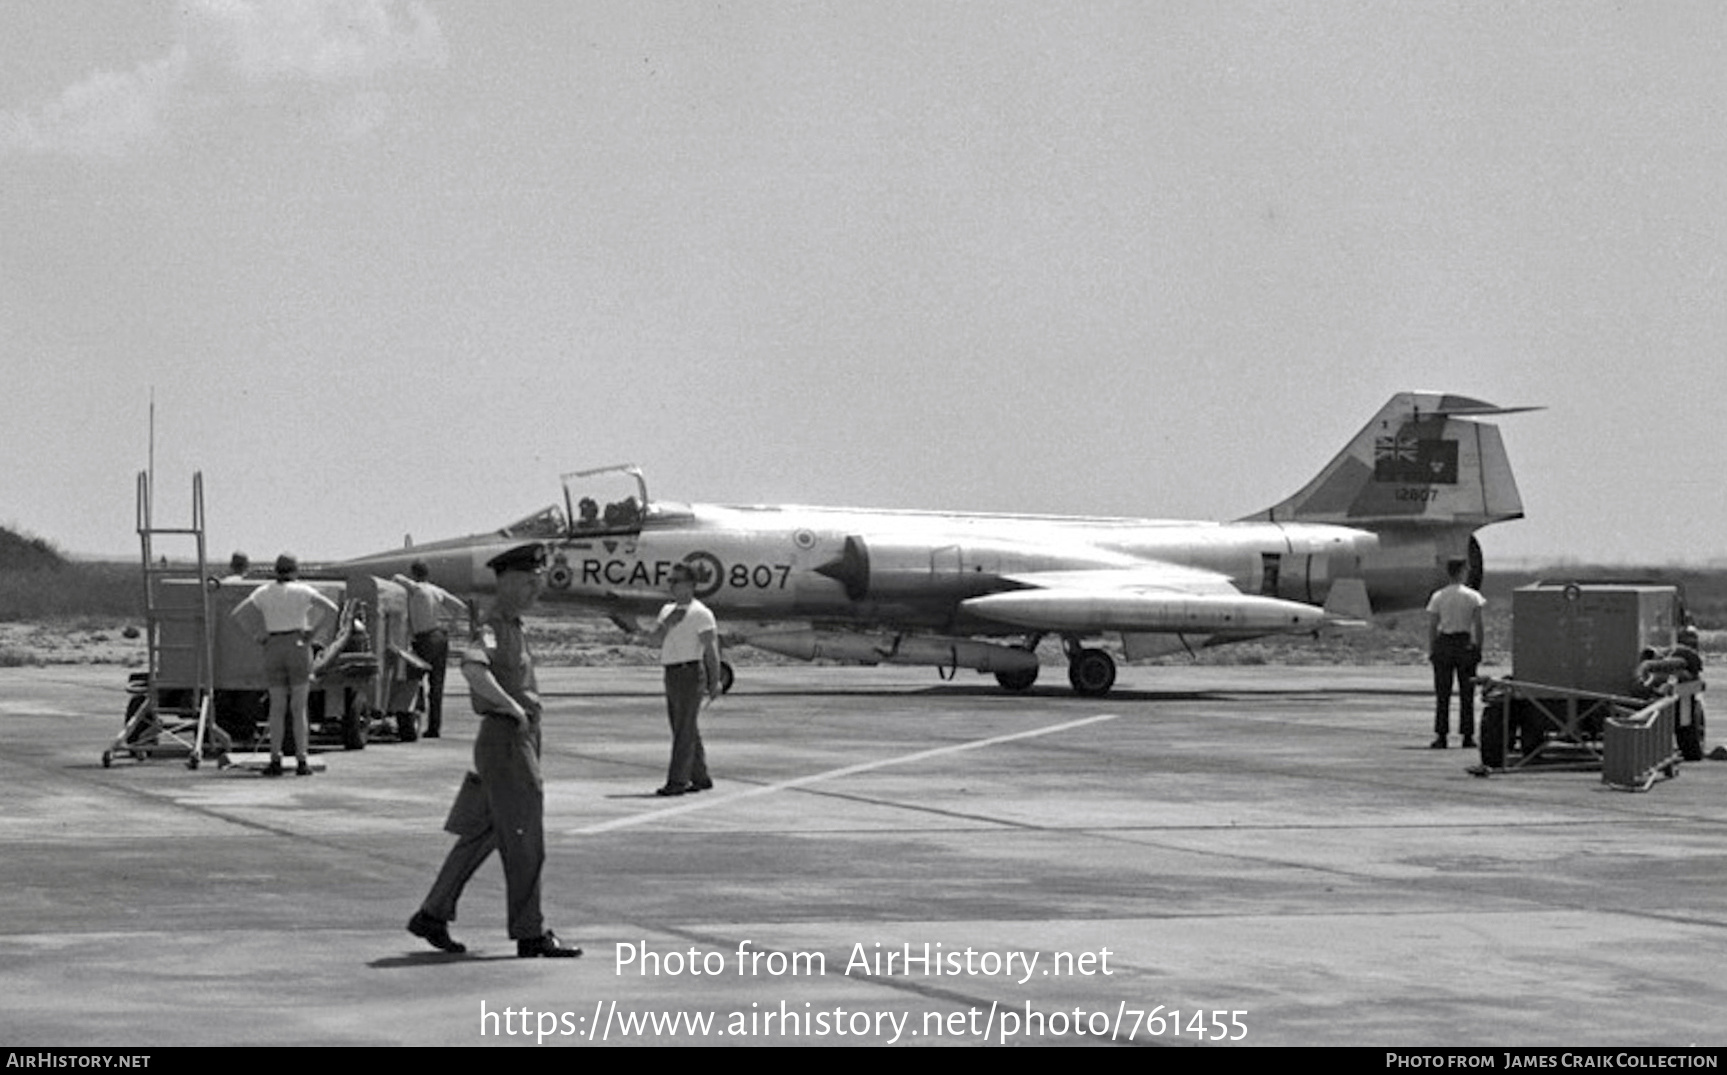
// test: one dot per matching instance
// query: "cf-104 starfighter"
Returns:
(1371, 534)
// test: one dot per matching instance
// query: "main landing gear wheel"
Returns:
(1092, 672)
(1017, 681)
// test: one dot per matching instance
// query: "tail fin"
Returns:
(1422, 461)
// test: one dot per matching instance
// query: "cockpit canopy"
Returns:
(610, 500)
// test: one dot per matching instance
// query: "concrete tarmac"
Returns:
(1273, 853)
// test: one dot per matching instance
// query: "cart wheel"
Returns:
(192, 762)
(107, 759)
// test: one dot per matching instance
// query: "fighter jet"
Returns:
(1370, 534)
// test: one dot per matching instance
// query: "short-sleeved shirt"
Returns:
(287, 606)
(1455, 606)
(683, 642)
(425, 601)
(500, 644)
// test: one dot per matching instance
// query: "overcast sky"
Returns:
(390, 267)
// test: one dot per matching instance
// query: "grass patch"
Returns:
(71, 589)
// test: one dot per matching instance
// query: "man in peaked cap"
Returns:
(501, 803)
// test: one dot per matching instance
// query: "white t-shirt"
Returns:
(287, 606)
(1455, 606)
(684, 641)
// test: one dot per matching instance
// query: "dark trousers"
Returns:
(683, 705)
(500, 807)
(1454, 658)
(433, 647)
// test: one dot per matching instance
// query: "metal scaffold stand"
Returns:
(178, 631)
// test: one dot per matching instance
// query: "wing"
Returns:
(1145, 597)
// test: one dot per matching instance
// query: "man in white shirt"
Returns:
(1454, 635)
(289, 612)
(688, 637)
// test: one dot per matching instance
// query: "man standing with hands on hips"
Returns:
(688, 637)
(286, 613)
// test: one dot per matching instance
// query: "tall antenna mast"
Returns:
(150, 463)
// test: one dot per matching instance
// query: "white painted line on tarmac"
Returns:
(705, 800)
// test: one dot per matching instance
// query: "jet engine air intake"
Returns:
(850, 568)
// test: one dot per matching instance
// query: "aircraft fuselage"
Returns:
(909, 570)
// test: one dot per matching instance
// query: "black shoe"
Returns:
(272, 769)
(1438, 744)
(700, 785)
(546, 945)
(673, 789)
(303, 769)
(435, 932)
(431, 735)
(1469, 742)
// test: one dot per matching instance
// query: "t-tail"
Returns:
(1424, 475)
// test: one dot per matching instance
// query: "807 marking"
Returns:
(758, 576)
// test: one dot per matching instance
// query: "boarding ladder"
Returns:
(177, 632)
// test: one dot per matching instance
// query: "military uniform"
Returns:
(502, 803)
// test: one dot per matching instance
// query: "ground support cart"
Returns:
(1579, 697)
(1538, 725)
(1633, 741)
(205, 683)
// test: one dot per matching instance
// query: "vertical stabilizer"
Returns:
(1424, 460)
